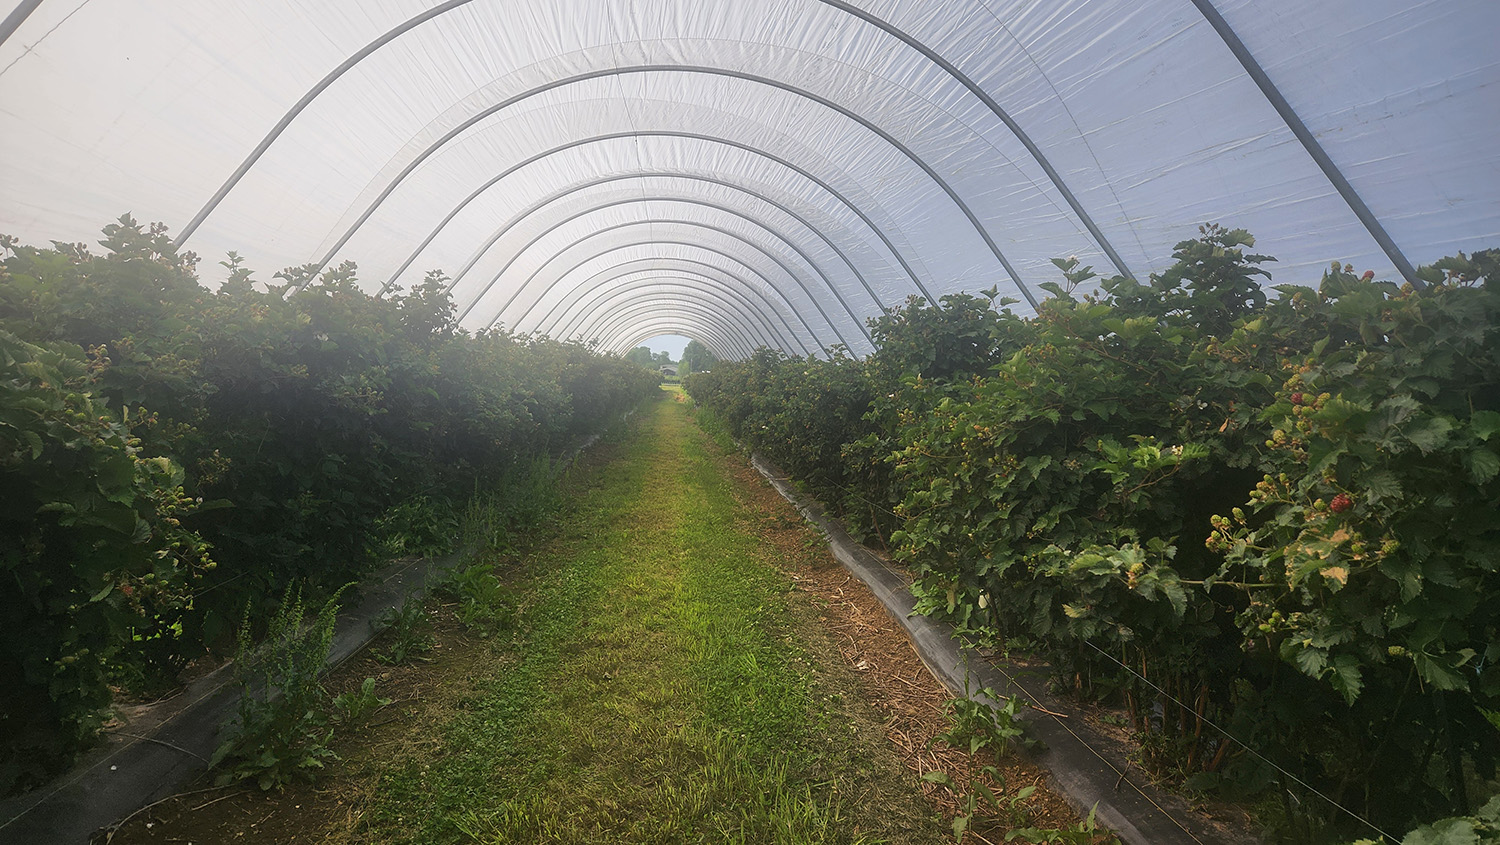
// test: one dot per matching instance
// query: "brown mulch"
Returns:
(895, 680)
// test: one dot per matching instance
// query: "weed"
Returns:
(1115, 720)
(282, 729)
(1085, 832)
(522, 498)
(728, 798)
(976, 724)
(485, 605)
(420, 525)
(410, 630)
(354, 707)
(1012, 809)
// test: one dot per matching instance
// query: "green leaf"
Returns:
(1430, 434)
(1445, 832)
(1483, 465)
(1380, 485)
(1485, 424)
(1346, 677)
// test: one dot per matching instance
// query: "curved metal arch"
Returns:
(788, 338)
(697, 283)
(655, 329)
(664, 133)
(607, 321)
(633, 295)
(854, 11)
(622, 324)
(693, 262)
(683, 312)
(657, 174)
(717, 269)
(728, 73)
(673, 324)
(17, 16)
(762, 336)
(1309, 141)
(717, 346)
(631, 201)
(1010, 123)
(816, 305)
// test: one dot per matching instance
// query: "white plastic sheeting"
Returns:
(784, 168)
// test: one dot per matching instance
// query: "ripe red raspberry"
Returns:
(1369, 274)
(1340, 503)
(1296, 399)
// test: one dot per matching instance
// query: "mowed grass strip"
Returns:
(659, 688)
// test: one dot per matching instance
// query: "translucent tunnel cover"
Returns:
(752, 172)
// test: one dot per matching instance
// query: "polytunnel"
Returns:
(796, 167)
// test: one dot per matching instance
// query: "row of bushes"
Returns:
(1283, 514)
(169, 454)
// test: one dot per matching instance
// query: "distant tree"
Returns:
(641, 355)
(696, 358)
(662, 358)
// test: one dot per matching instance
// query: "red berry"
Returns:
(1369, 274)
(1340, 503)
(1296, 399)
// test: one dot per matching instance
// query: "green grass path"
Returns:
(665, 684)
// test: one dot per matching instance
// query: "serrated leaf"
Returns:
(1380, 485)
(1430, 434)
(1346, 677)
(1485, 424)
(1337, 574)
(1445, 832)
(1483, 465)
(1311, 661)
